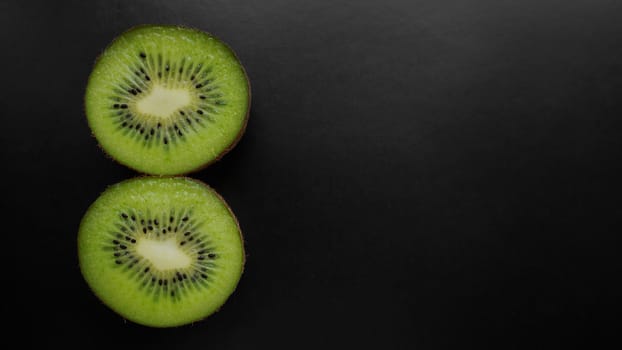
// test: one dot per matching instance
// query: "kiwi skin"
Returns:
(237, 223)
(226, 150)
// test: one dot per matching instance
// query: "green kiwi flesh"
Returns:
(167, 100)
(161, 251)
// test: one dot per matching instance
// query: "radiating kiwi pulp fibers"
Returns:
(161, 251)
(167, 100)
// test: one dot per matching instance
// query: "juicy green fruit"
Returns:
(161, 251)
(167, 100)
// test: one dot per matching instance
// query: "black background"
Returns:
(415, 174)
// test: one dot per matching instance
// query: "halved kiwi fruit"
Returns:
(161, 251)
(167, 100)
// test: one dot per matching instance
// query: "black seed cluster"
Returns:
(150, 69)
(134, 225)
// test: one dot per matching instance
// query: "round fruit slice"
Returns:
(167, 100)
(161, 252)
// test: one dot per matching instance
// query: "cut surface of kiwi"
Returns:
(161, 251)
(167, 100)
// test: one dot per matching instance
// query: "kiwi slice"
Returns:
(161, 251)
(167, 100)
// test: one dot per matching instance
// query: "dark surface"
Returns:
(415, 174)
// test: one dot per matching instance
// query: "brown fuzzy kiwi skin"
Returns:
(211, 190)
(224, 151)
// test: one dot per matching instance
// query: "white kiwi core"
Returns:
(162, 102)
(164, 255)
